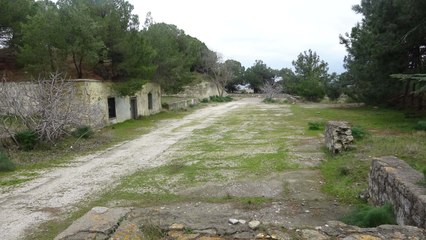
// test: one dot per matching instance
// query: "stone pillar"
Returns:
(338, 136)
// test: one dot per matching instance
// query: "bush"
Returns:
(369, 216)
(421, 125)
(269, 100)
(5, 163)
(26, 139)
(205, 100)
(83, 132)
(220, 99)
(315, 125)
(165, 105)
(359, 132)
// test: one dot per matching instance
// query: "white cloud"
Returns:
(274, 31)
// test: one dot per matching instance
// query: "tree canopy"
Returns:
(390, 39)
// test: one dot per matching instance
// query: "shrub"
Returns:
(369, 216)
(315, 125)
(359, 132)
(26, 139)
(5, 163)
(421, 125)
(269, 100)
(205, 100)
(165, 106)
(220, 99)
(83, 132)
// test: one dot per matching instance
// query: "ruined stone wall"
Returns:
(200, 91)
(338, 136)
(184, 104)
(392, 180)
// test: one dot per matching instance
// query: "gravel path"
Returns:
(59, 190)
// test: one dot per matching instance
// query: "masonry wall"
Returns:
(392, 180)
(94, 94)
(200, 91)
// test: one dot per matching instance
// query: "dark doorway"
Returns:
(111, 108)
(133, 108)
(149, 101)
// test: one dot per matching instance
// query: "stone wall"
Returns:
(93, 94)
(392, 180)
(338, 136)
(184, 104)
(200, 91)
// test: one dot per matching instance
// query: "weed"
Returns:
(368, 216)
(220, 98)
(152, 232)
(421, 125)
(269, 100)
(83, 132)
(315, 125)
(6, 164)
(359, 132)
(344, 171)
(26, 139)
(165, 105)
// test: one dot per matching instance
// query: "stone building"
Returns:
(112, 108)
(101, 104)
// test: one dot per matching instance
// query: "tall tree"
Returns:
(13, 15)
(311, 76)
(43, 42)
(258, 74)
(81, 34)
(389, 39)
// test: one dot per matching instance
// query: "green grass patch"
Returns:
(221, 98)
(369, 216)
(421, 125)
(6, 165)
(316, 125)
(384, 132)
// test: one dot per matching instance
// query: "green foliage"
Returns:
(310, 76)
(26, 139)
(316, 125)
(176, 55)
(83, 132)
(368, 216)
(389, 40)
(129, 87)
(359, 132)
(333, 87)
(270, 100)
(220, 99)
(421, 125)
(152, 232)
(205, 100)
(14, 14)
(258, 75)
(6, 164)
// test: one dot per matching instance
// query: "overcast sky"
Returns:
(274, 31)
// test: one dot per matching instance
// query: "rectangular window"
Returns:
(111, 108)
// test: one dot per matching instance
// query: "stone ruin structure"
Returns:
(338, 136)
(393, 181)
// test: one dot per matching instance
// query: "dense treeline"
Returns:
(391, 39)
(102, 38)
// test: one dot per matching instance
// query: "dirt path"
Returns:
(59, 190)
